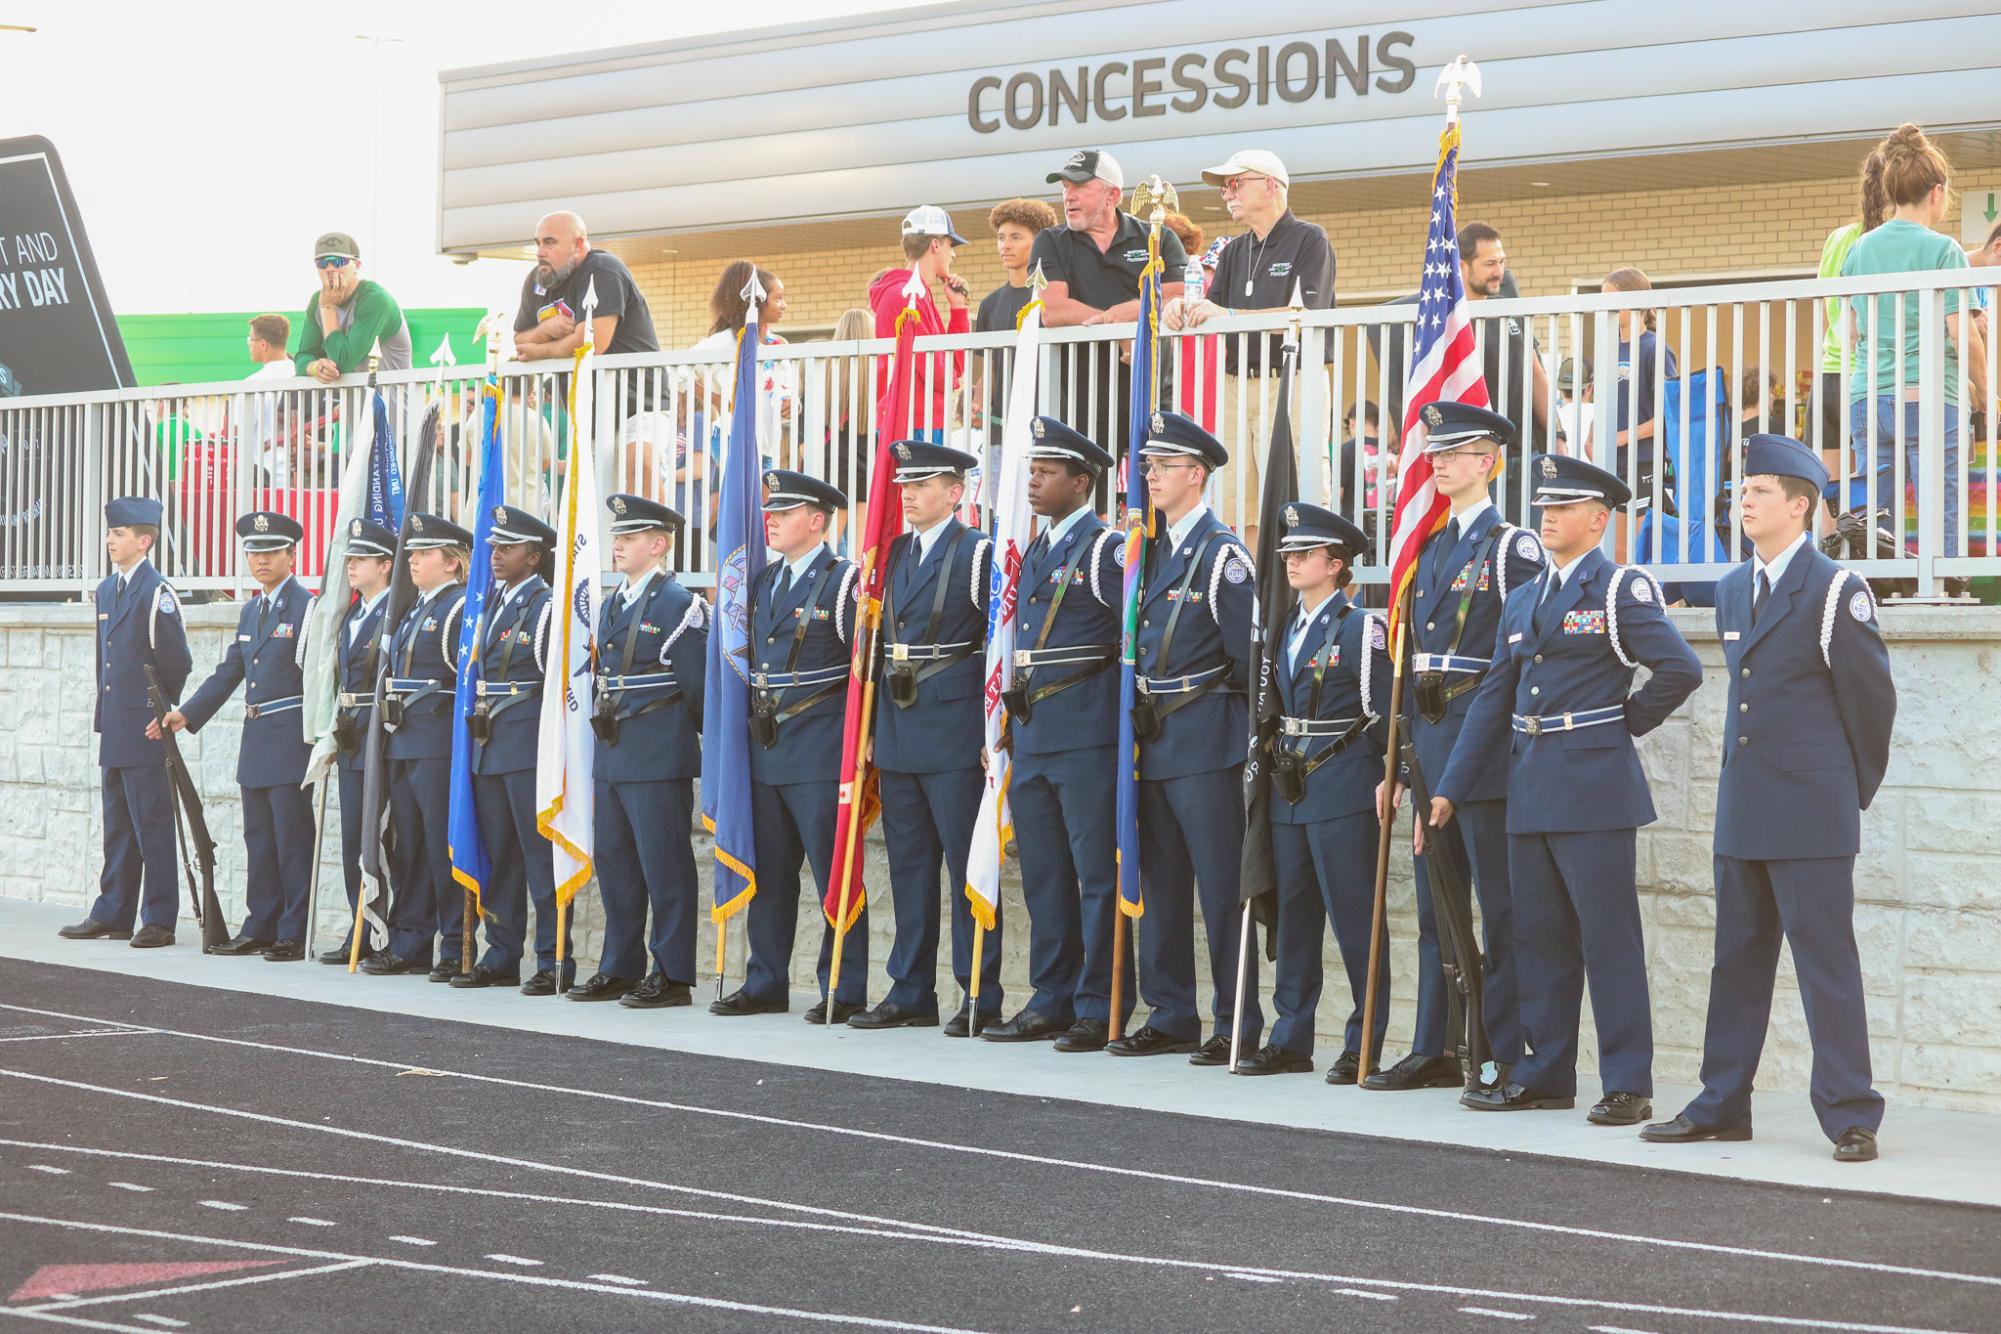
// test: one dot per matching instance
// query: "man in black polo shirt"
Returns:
(1092, 264)
(1257, 272)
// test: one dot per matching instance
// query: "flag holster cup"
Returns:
(479, 723)
(392, 712)
(764, 723)
(1288, 775)
(1429, 690)
(346, 732)
(1015, 701)
(1146, 720)
(604, 719)
(902, 684)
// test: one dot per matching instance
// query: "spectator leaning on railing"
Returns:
(1016, 224)
(1916, 182)
(552, 297)
(348, 316)
(928, 242)
(1258, 271)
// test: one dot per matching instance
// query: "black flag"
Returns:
(1258, 882)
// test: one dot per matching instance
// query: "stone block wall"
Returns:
(1928, 884)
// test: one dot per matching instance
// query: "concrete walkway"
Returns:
(1928, 1153)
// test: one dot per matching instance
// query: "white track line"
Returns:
(211, 1285)
(414, 1241)
(1069, 1165)
(502, 1275)
(76, 1321)
(522, 1260)
(52, 1171)
(225, 1206)
(977, 1240)
(314, 1222)
(164, 1322)
(132, 1186)
(619, 1278)
(83, 1033)
(1497, 1315)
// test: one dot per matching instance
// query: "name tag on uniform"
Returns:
(243, 639)
(1733, 634)
(104, 616)
(1515, 638)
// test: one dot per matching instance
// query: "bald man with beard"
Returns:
(552, 297)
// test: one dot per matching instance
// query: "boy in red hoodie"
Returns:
(928, 243)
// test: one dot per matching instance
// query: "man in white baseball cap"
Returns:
(1256, 271)
(929, 240)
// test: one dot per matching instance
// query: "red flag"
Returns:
(883, 520)
(1444, 365)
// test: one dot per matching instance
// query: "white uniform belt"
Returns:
(819, 676)
(1315, 726)
(350, 700)
(926, 652)
(1569, 722)
(1447, 662)
(1176, 685)
(408, 685)
(649, 681)
(502, 689)
(262, 707)
(1065, 656)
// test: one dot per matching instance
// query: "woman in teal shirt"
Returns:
(1915, 181)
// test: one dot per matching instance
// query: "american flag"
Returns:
(1444, 366)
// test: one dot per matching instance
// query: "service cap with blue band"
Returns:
(1055, 439)
(365, 537)
(637, 514)
(425, 532)
(133, 512)
(1310, 527)
(1173, 435)
(268, 530)
(919, 460)
(788, 490)
(1783, 456)
(1562, 480)
(1448, 425)
(518, 528)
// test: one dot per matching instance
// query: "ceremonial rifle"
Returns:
(189, 824)
(1446, 871)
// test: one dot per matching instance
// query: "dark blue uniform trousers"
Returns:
(1326, 871)
(796, 821)
(927, 821)
(1191, 839)
(1066, 840)
(429, 903)
(350, 847)
(523, 868)
(646, 859)
(278, 835)
(1577, 916)
(139, 867)
(1811, 902)
(1482, 828)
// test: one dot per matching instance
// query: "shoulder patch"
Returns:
(1119, 554)
(1527, 547)
(1235, 570)
(1379, 638)
(1861, 607)
(1643, 590)
(167, 602)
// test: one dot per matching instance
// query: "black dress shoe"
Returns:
(241, 945)
(843, 1011)
(740, 1002)
(338, 955)
(959, 1025)
(1681, 1130)
(1275, 1061)
(1415, 1072)
(152, 937)
(1346, 1066)
(444, 970)
(1216, 1051)
(1514, 1098)
(542, 982)
(387, 964)
(889, 1015)
(92, 929)
(1620, 1109)
(285, 951)
(1150, 1041)
(1084, 1035)
(482, 976)
(1856, 1145)
(1026, 1026)
(655, 992)
(601, 987)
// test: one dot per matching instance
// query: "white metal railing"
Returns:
(1742, 354)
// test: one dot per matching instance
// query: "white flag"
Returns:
(1014, 529)
(563, 791)
(321, 664)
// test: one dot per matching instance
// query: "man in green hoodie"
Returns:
(348, 316)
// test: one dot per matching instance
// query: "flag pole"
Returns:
(489, 329)
(1389, 819)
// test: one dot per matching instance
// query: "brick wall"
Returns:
(1928, 887)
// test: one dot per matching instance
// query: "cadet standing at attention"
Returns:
(928, 731)
(371, 558)
(272, 753)
(1806, 741)
(138, 626)
(652, 648)
(1559, 709)
(802, 619)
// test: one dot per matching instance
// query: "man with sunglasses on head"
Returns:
(348, 316)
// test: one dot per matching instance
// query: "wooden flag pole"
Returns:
(722, 946)
(1116, 1026)
(1244, 934)
(847, 851)
(973, 981)
(1389, 820)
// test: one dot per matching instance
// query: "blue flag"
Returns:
(1138, 525)
(726, 702)
(385, 477)
(469, 864)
